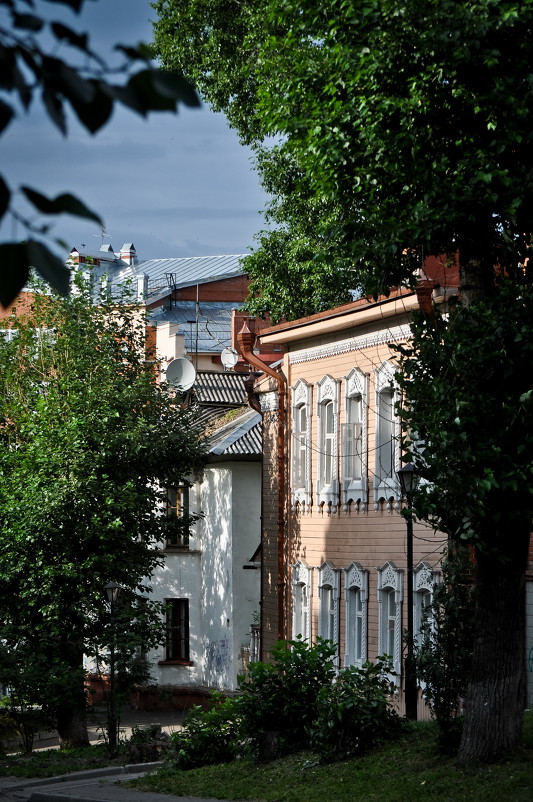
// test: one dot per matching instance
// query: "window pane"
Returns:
(178, 629)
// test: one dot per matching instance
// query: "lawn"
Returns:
(405, 770)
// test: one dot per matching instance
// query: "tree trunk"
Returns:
(72, 726)
(71, 710)
(496, 695)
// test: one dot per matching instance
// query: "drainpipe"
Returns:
(245, 343)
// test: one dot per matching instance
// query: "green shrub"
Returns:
(444, 657)
(354, 713)
(208, 736)
(278, 701)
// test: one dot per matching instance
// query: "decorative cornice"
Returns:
(394, 334)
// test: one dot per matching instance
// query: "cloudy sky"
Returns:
(173, 185)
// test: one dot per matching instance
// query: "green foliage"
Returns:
(208, 736)
(444, 657)
(384, 131)
(29, 64)
(467, 398)
(278, 701)
(354, 713)
(89, 441)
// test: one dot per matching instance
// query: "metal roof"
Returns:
(186, 271)
(215, 387)
(214, 323)
(239, 437)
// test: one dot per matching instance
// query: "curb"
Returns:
(87, 774)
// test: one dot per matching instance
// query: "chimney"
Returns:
(128, 254)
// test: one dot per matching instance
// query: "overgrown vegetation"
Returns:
(295, 702)
(405, 769)
(444, 657)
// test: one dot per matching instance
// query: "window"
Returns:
(356, 589)
(177, 645)
(328, 589)
(178, 515)
(424, 579)
(390, 614)
(327, 483)
(353, 446)
(300, 441)
(301, 596)
(387, 436)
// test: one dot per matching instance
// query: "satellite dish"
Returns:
(229, 357)
(181, 374)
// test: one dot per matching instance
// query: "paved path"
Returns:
(97, 785)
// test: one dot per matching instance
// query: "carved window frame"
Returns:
(328, 493)
(386, 488)
(302, 593)
(301, 451)
(355, 489)
(356, 582)
(328, 602)
(390, 581)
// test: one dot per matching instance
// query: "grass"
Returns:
(54, 762)
(405, 770)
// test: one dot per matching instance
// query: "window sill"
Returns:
(175, 663)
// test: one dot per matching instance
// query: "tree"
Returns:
(409, 123)
(90, 442)
(27, 65)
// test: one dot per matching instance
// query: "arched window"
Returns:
(354, 438)
(301, 600)
(327, 411)
(387, 436)
(300, 444)
(390, 614)
(328, 590)
(356, 597)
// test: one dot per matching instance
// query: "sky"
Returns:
(174, 185)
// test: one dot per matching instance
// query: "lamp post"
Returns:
(407, 479)
(112, 590)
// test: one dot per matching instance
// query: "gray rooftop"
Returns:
(240, 437)
(214, 323)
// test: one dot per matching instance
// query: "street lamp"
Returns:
(407, 480)
(112, 591)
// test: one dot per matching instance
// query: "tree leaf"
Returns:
(74, 4)
(28, 22)
(54, 109)
(93, 113)
(6, 115)
(65, 203)
(49, 266)
(14, 261)
(5, 196)
(175, 85)
(79, 40)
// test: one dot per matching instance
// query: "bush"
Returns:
(278, 701)
(444, 658)
(208, 736)
(354, 713)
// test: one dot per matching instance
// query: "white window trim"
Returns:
(356, 490)
(328, 494)
(302, 576)
(424, 581)
(390, 578)
(356, 578)
(301, 396)
(328, 578)
(389, 489)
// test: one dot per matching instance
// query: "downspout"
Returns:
(245, 343)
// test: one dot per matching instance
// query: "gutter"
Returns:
(245, 344)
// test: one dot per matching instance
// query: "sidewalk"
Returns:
(102, 784)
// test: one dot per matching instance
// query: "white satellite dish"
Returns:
(229, 357)
(181, 373)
